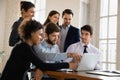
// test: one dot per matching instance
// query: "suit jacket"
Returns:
(72, 36)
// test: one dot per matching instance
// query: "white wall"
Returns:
(8, 14)
(93, 20)
(2, 27)
(2, 22)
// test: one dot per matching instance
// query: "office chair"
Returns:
(0, 75)
(29, 74)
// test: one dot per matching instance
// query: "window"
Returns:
(83, 18)
(40, 7)
(108, 32)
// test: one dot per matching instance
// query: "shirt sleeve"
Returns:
(30, 56)
(14, 36)
(47, 56)
(70, 48)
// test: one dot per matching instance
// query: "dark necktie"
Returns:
(85, 51)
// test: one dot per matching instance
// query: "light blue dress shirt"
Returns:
(49, 53)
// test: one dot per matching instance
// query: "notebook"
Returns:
(88, 61)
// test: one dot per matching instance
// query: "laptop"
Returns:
(88, 61)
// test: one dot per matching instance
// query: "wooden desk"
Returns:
(78, 75)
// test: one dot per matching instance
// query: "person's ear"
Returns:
(32, 34)
(49, 18)
(23, 11)
(45, 35)
(91, 36)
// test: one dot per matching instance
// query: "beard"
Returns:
(50, 42)
(66, 24)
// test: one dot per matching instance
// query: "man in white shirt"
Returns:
(84, 46)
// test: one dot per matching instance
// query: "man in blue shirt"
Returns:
(48, 49)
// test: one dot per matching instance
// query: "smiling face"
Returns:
(54, 18)
(67, 18)
(86, 37)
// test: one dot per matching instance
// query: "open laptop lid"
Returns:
(88, 61)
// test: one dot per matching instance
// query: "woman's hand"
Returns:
(38, 74)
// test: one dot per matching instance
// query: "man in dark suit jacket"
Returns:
(69, 34)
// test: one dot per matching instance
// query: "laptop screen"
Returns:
(88, 61)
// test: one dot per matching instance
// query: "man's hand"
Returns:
(73, 65)
(76, 56)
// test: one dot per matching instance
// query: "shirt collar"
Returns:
(67, 27)
(84, 44)
(46, 44)
(20, 19)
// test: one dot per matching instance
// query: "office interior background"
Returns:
(103, 15)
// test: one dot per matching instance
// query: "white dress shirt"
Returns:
(79, 48)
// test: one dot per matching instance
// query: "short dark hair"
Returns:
(51, 13)
(51, 27)
(87, 28)
(31, 26)
(67, 11)
(26, 5)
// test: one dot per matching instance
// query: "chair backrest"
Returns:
(26, 75)
(0, 75)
